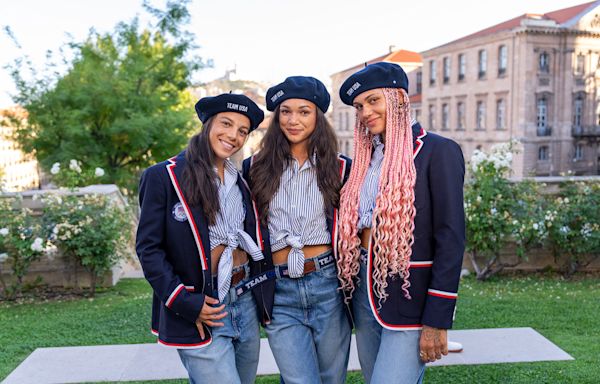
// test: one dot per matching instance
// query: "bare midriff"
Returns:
(239, 257)
(365, 236)
(310, 251)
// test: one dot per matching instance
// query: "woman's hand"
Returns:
(433, 344)
(209, 315)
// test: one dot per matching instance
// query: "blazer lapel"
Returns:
(418, 134)
(196, 219)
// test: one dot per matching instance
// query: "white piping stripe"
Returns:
(452, 294)
(181, 346)
(423, 134)
(187, 212)
(174, 294)
(419, 263)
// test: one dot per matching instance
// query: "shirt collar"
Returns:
(307, 164)
(230, 174)
(376, 140)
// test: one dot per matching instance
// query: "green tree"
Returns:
(123, 102)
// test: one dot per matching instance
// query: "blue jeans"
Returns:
(386, 356)
(309, 333)
(232, 356)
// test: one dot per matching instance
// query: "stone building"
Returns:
(343, 116)
(533, 78)
(18, 171)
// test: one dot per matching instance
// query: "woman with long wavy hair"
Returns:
(295, 180)
(402, 231)
(197, 243)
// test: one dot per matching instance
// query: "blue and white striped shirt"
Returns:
(297, 214)
(370, 186)
(228, 229)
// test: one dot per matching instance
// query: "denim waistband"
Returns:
(320, 262)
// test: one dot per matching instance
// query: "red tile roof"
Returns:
(560, 16)
(415, 98)
(399, 56)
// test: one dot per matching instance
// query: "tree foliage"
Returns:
(122, 103)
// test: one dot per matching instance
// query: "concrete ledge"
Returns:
(155, 362)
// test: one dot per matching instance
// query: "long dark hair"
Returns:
(275, 155)
(199, 186)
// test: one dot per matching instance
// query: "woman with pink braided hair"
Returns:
(402, 232)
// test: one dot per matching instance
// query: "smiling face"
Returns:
(371, 108)
(297, 119)
(228, 133)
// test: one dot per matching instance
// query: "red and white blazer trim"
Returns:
(188, 212)
(174, 294)
(334, 235)
(442, 294)
(421, 135)
(421, 264)
(186, 346)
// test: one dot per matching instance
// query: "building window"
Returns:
(480, 117)
(482, 63)
(500, 114)
(502, 60)
(445, 116)
(580, 64)
(432, 72)
(578, 113)
(543, 153)
(460, 115)
(419, 82)
(431, 116)
(578, 156)
(542, 117)
(462, 66)
(446, 70)
(544, 62)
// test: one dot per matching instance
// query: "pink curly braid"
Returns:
(394, 212)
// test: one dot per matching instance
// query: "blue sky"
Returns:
(268, 39)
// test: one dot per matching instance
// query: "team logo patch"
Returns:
(179, 212)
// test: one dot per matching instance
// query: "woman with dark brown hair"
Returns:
(197, 243)
(295, 180)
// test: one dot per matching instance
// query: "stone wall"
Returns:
(61, 271)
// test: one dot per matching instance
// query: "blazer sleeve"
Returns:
(446, 177)
(150, 248)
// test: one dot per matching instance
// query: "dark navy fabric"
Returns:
(299, 87)
(209, 106)
(378, 75)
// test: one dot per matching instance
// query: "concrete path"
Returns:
(155, 362)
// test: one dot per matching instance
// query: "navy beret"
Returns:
(299, 87)
(207, 107)
(378, 75)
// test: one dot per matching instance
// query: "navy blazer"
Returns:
(439, 240)
(345, 163)
(173, 246)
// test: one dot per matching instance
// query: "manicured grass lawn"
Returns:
(566, 312)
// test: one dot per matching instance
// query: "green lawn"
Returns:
(566, 312)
